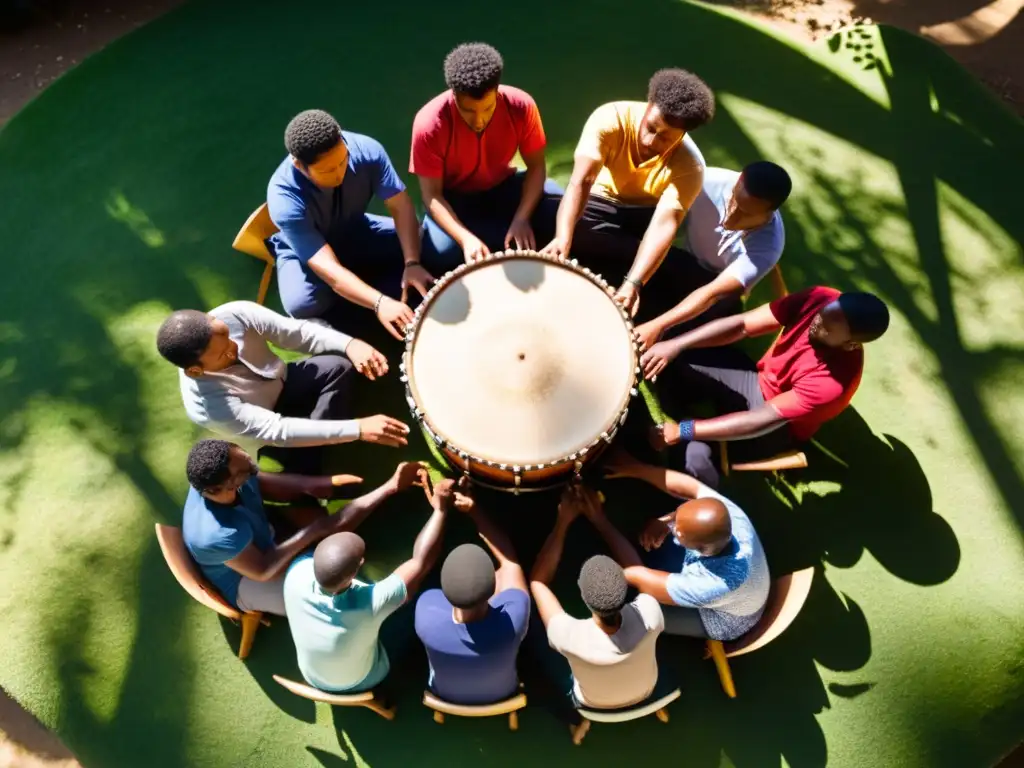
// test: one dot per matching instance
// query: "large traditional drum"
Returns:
(520, 368)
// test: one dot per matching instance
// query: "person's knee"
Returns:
(700, 463)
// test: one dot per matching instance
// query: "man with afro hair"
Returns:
(636, 174)
(606, 661)
(331, 254)
(463, 142)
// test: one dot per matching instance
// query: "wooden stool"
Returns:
(643, 709)
(508, 707)
(366, 699)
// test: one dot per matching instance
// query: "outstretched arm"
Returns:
(509, 574)
(546, 564)
(428, 543)
(584, 173)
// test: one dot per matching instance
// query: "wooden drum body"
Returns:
(520, 368)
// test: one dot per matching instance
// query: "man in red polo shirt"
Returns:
(808, 376)
(463, 142)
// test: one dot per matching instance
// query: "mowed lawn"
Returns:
(122, 187)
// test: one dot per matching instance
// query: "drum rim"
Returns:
(576, 458)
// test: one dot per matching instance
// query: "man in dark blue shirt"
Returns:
(328, 248)
(473, 626)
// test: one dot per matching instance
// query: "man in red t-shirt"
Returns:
(808, 376)
(463, 142)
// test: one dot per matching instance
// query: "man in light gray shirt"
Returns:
(232, 383)
(734, 232)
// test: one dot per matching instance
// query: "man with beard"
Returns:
(807, 377)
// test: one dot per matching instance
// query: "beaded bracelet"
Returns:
(634, 282)
(376, 306)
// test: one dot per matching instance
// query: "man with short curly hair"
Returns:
(331, 254)
(635, 176)
(463, 142)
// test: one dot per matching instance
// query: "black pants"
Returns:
(319, 388)
(728, 379)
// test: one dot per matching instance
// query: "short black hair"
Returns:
(768, 181)
(467, 576)
(866, 315)
(336, 560)
(684, 99)
(473, 69)
(207, 465)
(603, 586)
(184, 336)
(310, 134)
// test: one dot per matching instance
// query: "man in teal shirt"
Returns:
(336, 618)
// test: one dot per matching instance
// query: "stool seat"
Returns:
(508, 707)
(643, 709)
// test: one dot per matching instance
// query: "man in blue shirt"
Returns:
(336, 618)
(705, 562)
(473, 626)
(227, 531)
(329, 250)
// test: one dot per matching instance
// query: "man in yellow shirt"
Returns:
(636, 174)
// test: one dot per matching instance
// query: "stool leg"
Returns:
(513, 721)
(378, 706)
(662, 715)
(579, 731)
(717, 651)
(250, 621)
(438, 717)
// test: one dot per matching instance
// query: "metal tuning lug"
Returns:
(518, 479)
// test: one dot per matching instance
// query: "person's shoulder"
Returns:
(363, 148)
(517, 98)
(647, 606)
(238, 309)
(613, 113)
(284, 174)
(720, 178)
(432, 599)
(513, 597)
(687, 157)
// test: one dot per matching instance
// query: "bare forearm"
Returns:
(533, 188)
(348, 285)
(407, 227)
(741, 425)
(717, 333)
(623, 552)
(357, 510)
(547, 560)
(694, 304)
(428, 542)
(280, 557)
(652, 251)
(569, 210)
(495, 538)
(668, 480)
(284, 486)
(441, 212)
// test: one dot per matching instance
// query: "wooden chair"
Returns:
(645, 708)
(508, 707)
(785, 600)
(185, 570)
(251, 239)
(368, 699)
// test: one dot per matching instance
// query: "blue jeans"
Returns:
(368, 245)
(487, 215)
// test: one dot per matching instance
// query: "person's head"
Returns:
(313, 139)
(336, 561)
(603, 588)
(473, 71)
(196, 342)
(217, 468)
(677, 102)
(703, 525)
(850, 321)
(760, 190)
(467, 580)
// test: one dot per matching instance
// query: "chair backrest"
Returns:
(251, 238)
(785, 600)
(315, 694)
(185, 570)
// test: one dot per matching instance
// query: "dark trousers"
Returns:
(726, 378)
(320, 388)
(487, 215)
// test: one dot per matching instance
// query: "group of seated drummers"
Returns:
(638, 183)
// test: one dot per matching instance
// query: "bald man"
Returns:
(704, 562)
(336, 619)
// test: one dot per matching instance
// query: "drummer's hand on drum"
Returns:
(394, 316)
(473, 249)
(367, 360)
(628, 297)
(648, 334)
(383, 430)
(621, 465)
(569, 507)
(654, 534)
(664, 435)
(444, 495)
(407, 475)
(655, 359)
(417, 276)
(558, 248)
(521, 233)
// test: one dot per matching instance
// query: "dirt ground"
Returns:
(985, 36)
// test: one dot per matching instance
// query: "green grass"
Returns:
(123, 185)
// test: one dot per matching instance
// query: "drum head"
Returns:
(521, 361)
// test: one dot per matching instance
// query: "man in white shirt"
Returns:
(234, 384)
(735, 233)
(611, 655)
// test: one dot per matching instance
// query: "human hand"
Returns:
(657, 358)
(559, 248)
(473, 249)
(444, 495)
(383, 430)
(662, 436)
(464, 501)
(394, 316)
(407, 475)
(591, 504)
(654, 534)
(569, 507)
(521, 233)
(628, 297)
(620, 464)
(367, 360)
(648, 334)
(418, 277)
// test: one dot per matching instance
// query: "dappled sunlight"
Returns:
(136, 220)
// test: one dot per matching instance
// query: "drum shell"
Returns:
(530, 479)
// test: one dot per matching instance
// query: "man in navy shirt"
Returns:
(473, 626)
(329, 250)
